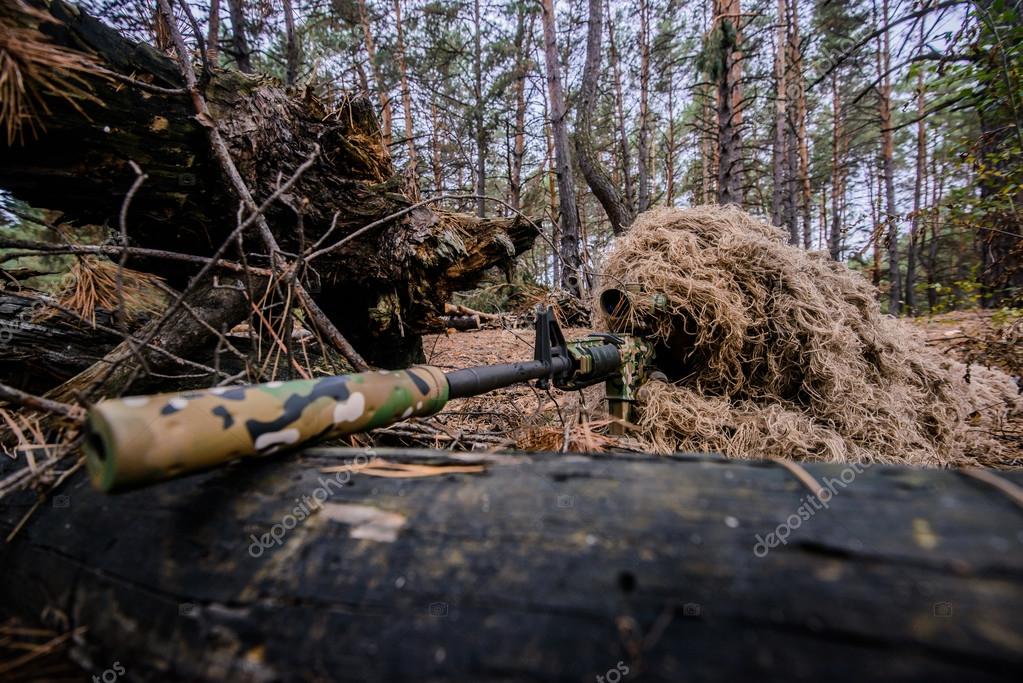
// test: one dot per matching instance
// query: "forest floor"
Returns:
(520, 416)
(976, 336)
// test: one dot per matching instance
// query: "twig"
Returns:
(31, 248)
(43, 649)
(12, 395)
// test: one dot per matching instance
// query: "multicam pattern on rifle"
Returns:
(621, 389)
(139, 439)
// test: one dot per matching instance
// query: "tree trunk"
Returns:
(395, 277)
(837, 173)
(643, 141)
(932, 251)
(604, 190)
(213, 34)
(779, 153)
(730, 171)
(623, 138)
(371, 55)
(406, 93)
(552, 197)
(571, 261)
(799, 93)
(291, 45)
(918, 188)
(669, 153)
(240, 49)
(540, 568)
(888, 155)
(523, 41)
(436, 161)
(481, 131)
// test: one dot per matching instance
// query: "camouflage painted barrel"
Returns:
(141, 439)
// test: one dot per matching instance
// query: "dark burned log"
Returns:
(544, 567)
(186, 331)
(390, 281)
(40, 347)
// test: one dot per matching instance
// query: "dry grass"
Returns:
(780, 352)
(92, 284)
(33, 69)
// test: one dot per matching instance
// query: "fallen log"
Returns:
(541, 567)
(40, 347)
(385, 285)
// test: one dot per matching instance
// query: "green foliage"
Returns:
(713, 58)
(988, 77)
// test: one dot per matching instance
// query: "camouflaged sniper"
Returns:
(142, 439)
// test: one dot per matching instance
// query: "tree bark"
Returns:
(799, 91)
(406, 92)
(523, 41)
(837, 173)
(669, 136)
(540, 568)
(643, 139)
(570, 255)
(600, 184)
(240, 49)
(730, 163)
(888, 156)
(623, 138)
(435, 148)
(478, 111)
(290, 45)
(213, 33)
(918, 188)
(378, 80)
(779, 154)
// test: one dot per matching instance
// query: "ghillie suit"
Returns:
(775, 351)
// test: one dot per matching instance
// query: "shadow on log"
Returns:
(386, 285)
(542, 567)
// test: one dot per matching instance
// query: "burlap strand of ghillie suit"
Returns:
(775, 351)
